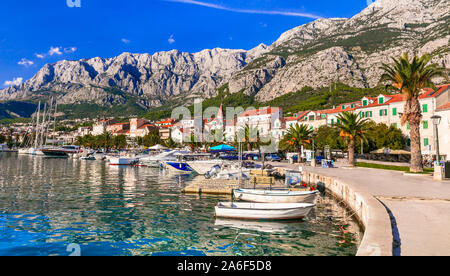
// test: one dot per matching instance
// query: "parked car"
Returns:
(273, 158)
(251, 156)
(228, 157)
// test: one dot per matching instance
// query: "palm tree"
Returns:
(106, 139)
(194, 142)
(297, 137)
(352, 127)
(409, 78)
(170, 143)
(250, 137)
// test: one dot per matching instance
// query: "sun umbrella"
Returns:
(222, 148)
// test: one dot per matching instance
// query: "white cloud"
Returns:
(41, 56)
(25, 62)
(219, 7)
(55, 51)
(126, 41)
(70, 50)
(171, 40)
(15, 81)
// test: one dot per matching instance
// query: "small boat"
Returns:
(91, 157)
(123, 161)
(276, 196)
(155, 161)
(228, 172)
(202, 167)
(263, 211)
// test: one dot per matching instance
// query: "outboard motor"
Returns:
(213, 172)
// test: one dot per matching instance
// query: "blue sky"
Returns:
(33, 33)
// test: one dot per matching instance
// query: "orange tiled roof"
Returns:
(444, 107)
(262, 111)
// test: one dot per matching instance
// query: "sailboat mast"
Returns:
(54, 123)
(43, 125)
(37, 125)
(49, 120)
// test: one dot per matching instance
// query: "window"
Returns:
(425, 142)
(395, 125)
(383, 112)
(332, 121)
(425, 124)
(352, 106)
(394, 111)
(364, 102)
(343, 107)
(425, 108)
(380, 100)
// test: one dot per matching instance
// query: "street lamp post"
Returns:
(438, 175)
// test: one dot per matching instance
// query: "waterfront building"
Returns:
(119, 128)
(100, 127)
(136, 125)
(264, 120)
(388, 109)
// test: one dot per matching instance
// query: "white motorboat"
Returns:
(276, 196)
(202, 167)
(123, 161)
(263, 211)
(156, 160)
(24, 151)
(228, 172)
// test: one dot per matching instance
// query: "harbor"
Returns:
(126, 210)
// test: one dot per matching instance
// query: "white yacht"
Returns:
(156, 160)
(204, 166)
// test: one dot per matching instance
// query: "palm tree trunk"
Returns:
(299, 156)
(351, 153)
(416, 150)
(413, 114)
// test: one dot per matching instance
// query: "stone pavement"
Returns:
(419, 205)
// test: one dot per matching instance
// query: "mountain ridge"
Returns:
(315, 54)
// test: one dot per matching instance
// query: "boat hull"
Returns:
(263, 211)
(122, 161)
(177, 166)
(202, 167)
(54, 153)
(264, 196)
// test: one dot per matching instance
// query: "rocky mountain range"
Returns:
(315, 54)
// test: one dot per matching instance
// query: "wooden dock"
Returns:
(201, 185)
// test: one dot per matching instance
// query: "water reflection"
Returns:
(46, 204)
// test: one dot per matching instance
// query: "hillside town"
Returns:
(268, 121)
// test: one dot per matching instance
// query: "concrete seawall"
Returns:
(378, 238)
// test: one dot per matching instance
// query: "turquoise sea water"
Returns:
(65, 206)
